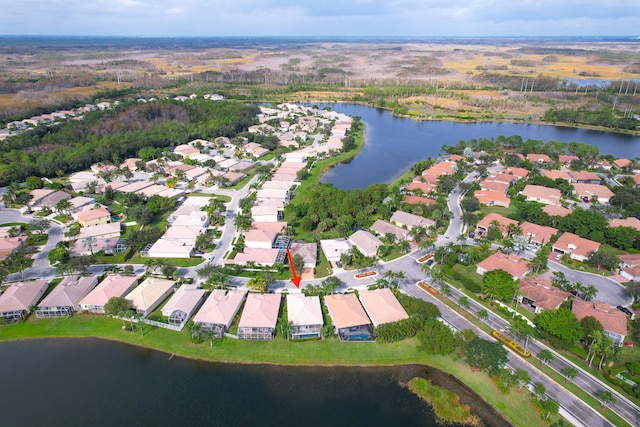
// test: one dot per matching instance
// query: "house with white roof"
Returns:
(218, 311)
(334, 248)
(305, 315)
(112, 286)
(409, 220)
(259, 317)
(366, 242)
(65, 298)
(172, 248)
(183, 304)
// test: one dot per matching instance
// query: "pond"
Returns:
(394, 144)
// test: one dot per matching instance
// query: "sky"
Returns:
(201, 18)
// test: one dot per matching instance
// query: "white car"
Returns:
(558, 257)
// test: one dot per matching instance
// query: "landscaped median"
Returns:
(427, 287)
(365, 275)
(512, 344)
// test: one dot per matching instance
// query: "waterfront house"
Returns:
(349, 319)
(183, 303)
(259, 317)
(305, 316)
(149, 294)
(19, 297)
(64, 299)
(114, 285)
(382, 306)
(219, 310)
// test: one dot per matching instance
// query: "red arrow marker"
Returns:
(295, 279)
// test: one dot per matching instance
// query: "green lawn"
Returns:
(509, 212)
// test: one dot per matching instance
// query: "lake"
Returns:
(79, 382)
(394, 144)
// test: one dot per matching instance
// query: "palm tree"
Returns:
(445, 289)
(607, 398)
(405, 246)
(462, 238)
(545, 357)
(483, 314)
(539, 390)
(570, 373)
(89, 242)
(63, 206)
(590, 293)
(463, 301)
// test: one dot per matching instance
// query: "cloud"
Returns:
(320, 17)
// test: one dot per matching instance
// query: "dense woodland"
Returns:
(114, 135)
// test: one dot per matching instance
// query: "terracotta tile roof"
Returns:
(346, 311)
(588, 190)
(584, 176)
(538, 233)
(492, 198)
(611, 318)
(567, 158)
(260, 311)
(512, 264)
(382, 306)
(622, 163)
(518, 172)
(422, 186)
(542, 194)
(571, 243)
(627, 222)
(544, 295)
(553, 210)
(498, 186)
(416, 200)
(382, 227)
(506, 178)
(538, 158)
(111, 286)
(91, 214)
(630, 259)
(555, 174)
(504, 222)
(410, 220)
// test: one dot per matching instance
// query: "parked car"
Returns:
(529, 247)
(585, 199)
(625, 310)
(558, 257)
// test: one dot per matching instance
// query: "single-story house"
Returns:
(308, 252)
(540, 294)
(632, 222)
(382, 306)
(366, 242)
(149, 294)
(305, 316)
(418, 187)
(113, 285)
(106, 245)
(555, 210)
(334, 248)
(382, 228)
(172, 248)
(545, 195)
(519, 173)
(578, 248)
(612, 320)
(10, 244)
(503, 223)
(91, 217)
(105, 231)
(81, 203)
(537, 234)
(259, 238)
(259, 317)
(538, 158)
(556, 174)
(601, 192)
(585, 177)
(218, 311)
(409, 220)
(259, 256)
(183, 303)
(417, 200)
(492, 198)
(65, 298)
(19, 297)
(622, 163)
(567, 159)
(50, 200)
(349, 319)
(630, 266)
(514, 265)
(278, 185)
